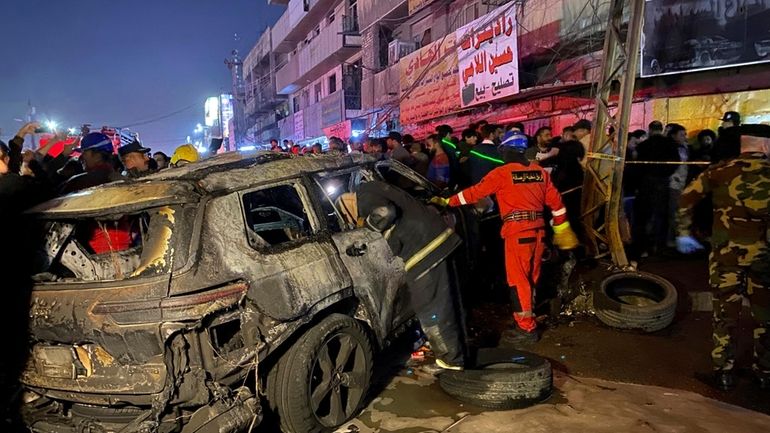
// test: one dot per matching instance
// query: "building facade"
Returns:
(349, 67)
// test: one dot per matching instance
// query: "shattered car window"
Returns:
(107, 248)
(332, 190)
(412, 183)
(275, 216)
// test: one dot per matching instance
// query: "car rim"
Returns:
(337, 380)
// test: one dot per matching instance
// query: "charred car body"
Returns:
(174, 303)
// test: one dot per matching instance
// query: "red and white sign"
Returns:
(340, 130)
(488, 57)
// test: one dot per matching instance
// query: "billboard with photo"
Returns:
(693, 35)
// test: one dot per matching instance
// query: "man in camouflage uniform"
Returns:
(738, 263)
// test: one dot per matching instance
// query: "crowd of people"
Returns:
(28, 176)
(534, 179)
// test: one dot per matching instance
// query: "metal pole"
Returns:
(602, 191)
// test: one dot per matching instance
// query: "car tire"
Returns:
(316, 364)
(501, 379)
(636, 300)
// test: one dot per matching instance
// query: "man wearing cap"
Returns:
(738, 263)
(96, 156)
(136, 159)
(523, 190)
(728, 145)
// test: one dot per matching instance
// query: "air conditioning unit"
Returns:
(398, 49)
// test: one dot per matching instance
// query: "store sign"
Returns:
(299, 126)
(341, 130)
(331, 109)
(286, 126)
(488, 58)
(695, 35)
(312, 121)
(428, 78)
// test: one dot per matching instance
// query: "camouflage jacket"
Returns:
(740, 190)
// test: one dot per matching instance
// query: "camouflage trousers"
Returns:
(731, 282)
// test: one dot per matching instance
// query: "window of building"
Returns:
(332, 83)
(275, 216)
(470, 13)
(295, 104)
(318, 92)
(330, 18)
(317, 30)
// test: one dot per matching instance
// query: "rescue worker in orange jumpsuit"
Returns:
(523, 190)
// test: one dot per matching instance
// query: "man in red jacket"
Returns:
(523, 190)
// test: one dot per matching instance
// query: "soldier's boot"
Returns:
(763, 380)
(724, 379)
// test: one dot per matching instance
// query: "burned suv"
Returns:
(178, 301)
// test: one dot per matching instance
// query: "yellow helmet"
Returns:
(186, 153)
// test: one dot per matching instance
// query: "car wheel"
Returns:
(322, 380)
(501, 379)
(636, 300)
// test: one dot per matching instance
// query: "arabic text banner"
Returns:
(488, 57)
(436, 93)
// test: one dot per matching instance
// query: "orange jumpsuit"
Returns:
(522, 193)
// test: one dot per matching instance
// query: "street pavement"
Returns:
(605, 380)
(412, 402)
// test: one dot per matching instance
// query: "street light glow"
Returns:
(51, 125)
(72, 131)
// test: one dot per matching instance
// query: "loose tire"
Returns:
(502, 379)
(635, 300)
(322, 380)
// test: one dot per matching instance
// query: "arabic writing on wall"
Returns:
(488, 57)
(435, 66)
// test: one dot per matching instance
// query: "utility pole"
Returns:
(602, 189)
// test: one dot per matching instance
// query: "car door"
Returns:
(296, 266)
(378, 276)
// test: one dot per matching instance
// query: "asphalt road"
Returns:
(605, 379)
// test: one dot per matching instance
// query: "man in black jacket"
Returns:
(485, 156)
(728, 145)
(418, 234)
(17, 193)
(651, 204)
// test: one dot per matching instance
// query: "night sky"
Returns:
(116, 63)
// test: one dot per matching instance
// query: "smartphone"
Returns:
(41, 130)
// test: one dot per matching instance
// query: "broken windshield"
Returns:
(111, 247)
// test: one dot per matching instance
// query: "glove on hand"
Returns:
(440, 201)
(687, 244)
(564, 238)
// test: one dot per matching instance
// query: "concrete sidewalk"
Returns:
(414, 403)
